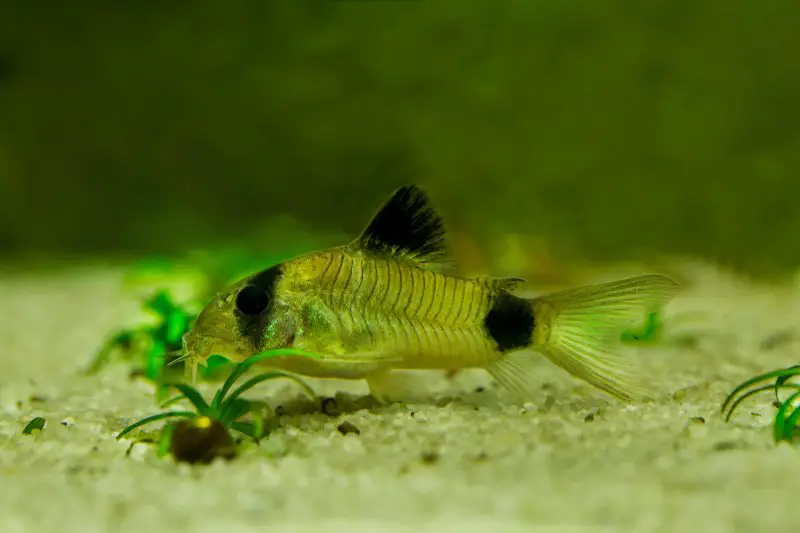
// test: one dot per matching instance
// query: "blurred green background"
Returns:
(613, 130)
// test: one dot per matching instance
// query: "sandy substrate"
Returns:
(574, 461)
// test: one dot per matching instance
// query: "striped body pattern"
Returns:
(431, 319)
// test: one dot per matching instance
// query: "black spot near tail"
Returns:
(510, 322)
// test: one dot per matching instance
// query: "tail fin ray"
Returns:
(579, 329)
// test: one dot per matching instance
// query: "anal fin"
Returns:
(396, 385)
(517, 373)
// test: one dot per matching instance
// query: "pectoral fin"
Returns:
(330, 363)
(366, 358)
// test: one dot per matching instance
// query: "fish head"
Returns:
(245, 319)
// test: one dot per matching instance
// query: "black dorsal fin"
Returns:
(408, 226)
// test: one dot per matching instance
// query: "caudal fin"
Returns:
(579, 329)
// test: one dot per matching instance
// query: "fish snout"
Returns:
(201, 347)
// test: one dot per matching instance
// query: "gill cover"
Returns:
(247, 319)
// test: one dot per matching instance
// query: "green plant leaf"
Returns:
(648, 333)
(789, 425)
(172, 401)
(742, 398)
(781, 420)
(154, 360)
(233, 409)
(155, 418)
(103, 356)
(249, 429)
(37, 424)
(255, 380)
(194, 397)
(177, 324)
(245, 365)
(781, 382)
(215, 362)
(160, 303)
(775, 374)
(165, 441)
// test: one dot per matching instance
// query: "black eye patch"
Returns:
(252, 301)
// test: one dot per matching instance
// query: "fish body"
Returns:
(388, 301)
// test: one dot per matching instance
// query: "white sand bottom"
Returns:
(464, 461)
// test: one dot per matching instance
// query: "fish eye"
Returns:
(251, 300)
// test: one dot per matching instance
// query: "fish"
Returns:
(390, 301)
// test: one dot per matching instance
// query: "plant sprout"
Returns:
(227, 407)
(787, 398)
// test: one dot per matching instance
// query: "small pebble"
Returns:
(680, 394)
(429, 457)
(201, 440)
(725, 445)
(330, 407)
(549, 402)
(348, 427)
(777, 339)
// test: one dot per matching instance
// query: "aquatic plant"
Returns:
(649, 332)
(787, 399)
(35, 426)
(155, 347)
(204, 432)
(652, 331)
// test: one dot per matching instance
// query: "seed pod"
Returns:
(201, 440)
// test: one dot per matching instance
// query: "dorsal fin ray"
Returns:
(500, 284)
(407, 226)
